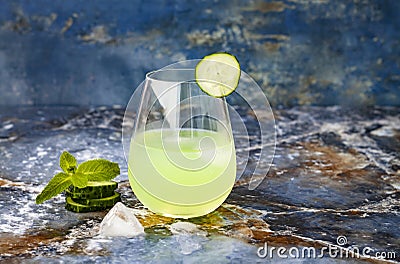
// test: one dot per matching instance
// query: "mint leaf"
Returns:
(79, 180)
(56, 185)
(68, 162)
(92, 170)
(99, 169)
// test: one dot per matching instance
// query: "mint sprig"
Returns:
(68, 162)
(98, 170)
(77, 175)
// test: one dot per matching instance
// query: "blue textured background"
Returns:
(319, 52)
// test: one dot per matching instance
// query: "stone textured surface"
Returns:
(320, 52)
(335, 173)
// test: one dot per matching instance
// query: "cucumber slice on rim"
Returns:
(218, 74)
(107, 201)
(73, 206)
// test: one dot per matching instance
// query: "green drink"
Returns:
(182, 173)
(180, 151)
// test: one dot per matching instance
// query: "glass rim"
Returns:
(150, 76)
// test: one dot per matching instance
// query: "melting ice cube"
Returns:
(189, 237)
(121, 221)
(186, 228)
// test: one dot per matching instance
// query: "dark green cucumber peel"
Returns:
(97, 196)
(107, 201)
(70, 205)
(105, 186)
(90, 195)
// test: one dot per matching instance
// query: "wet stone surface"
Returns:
(335, 173)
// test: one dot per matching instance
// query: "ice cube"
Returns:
(188, 236)
(121, 221)
(186, 228)
(189, 244)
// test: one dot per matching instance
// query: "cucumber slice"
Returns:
(107, 201)
(218, 74)
(73, 206)
(95, 185)
(94, 190)
(91, 195)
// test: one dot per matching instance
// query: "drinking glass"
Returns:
(181, 155)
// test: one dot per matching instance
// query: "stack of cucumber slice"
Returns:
(97, 196)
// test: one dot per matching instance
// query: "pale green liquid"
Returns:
(182, 174)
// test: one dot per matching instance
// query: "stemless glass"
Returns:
(181, 160)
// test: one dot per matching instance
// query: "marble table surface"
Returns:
(334, 182)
